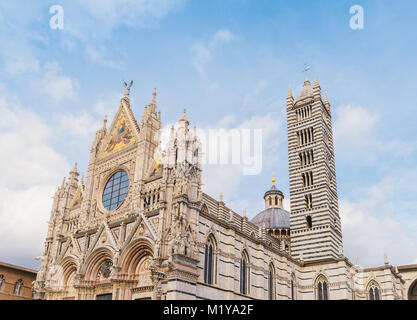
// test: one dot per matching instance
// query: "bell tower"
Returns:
(315, 222)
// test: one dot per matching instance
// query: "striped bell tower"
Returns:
(315, 222)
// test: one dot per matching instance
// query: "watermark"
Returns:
(236, 147)
(357, 20)
(57, 20)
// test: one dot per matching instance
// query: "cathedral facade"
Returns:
(139, 225)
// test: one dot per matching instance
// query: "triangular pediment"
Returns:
(123, 131)
(155, 170)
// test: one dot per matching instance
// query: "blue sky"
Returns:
(230, 63)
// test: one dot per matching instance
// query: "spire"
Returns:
(221, 196)
(74, 169)
(244, 213)
(73, 176)
(316, 83)
(386, 262)
(326, 102)
(289, 96)
(184, 115)
(317, 89)
(105, 122)
(152, 104)
(307, 90)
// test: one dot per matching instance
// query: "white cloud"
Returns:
(58, 86)
(32, 171)
(133, 13)
(377, 223)
(354, 128)
(26, 153)
(202, 54)
(223, 35)
(227, 178)
(97, 54)
(83, 125)
(356, 137)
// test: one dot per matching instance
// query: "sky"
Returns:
(230, 63)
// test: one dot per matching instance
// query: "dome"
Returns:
(273, 190)
(273, 218)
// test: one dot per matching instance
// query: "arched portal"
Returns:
(412, 292)
(137, 257)
(98, 265)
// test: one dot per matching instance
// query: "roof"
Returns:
(273, 190)
(273, 218)
(307, 91)
(11, 266)
(408, 267)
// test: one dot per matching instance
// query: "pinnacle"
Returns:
(316, 83)
(326, 99)
(154, 95)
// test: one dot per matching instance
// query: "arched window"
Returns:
(18, 287)
(373, 291)
(271, 287)
(309, 222)
(322, 288)
(1, 281)
(244, 273)
(210, 261)
(276, 201)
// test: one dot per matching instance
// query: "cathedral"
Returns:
(139, 226)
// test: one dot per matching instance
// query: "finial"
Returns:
(82, 180)
(154, 95)
(127, 87)
(75, 167)
(221, 196)
(357, 262)
(386, 259)
(289, 93)
(244, 213)
(63, 183)
(273, 178)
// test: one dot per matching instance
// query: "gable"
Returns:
(123, 132)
